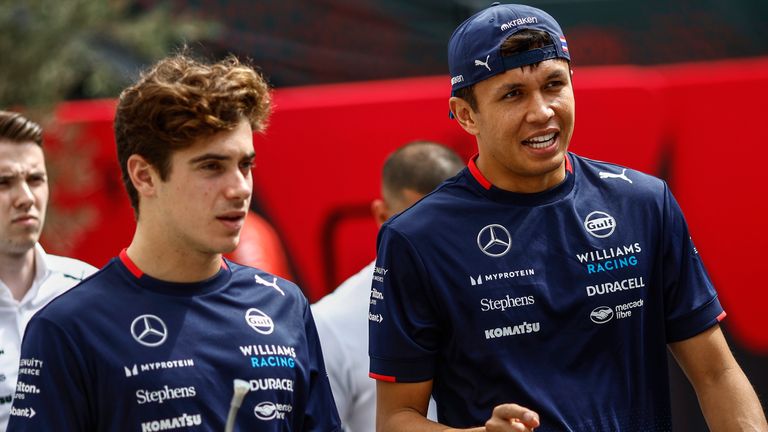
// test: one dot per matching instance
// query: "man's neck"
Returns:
(18, 272)
(169, 263)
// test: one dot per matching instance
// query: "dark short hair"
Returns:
(180, 100)
(16, 128)
(522, 41)
(419, 166)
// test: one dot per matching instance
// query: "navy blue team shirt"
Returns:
(126, 352)
(561, 301)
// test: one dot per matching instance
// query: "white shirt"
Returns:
(341, 318)
(53, 276)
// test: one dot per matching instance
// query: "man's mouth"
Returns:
(542, 141)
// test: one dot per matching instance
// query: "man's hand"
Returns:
(512, 418)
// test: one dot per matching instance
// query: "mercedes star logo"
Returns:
(494, 240)
(149, 330)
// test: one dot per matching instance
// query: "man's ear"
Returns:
(380, 211)
(464, 114)
(143, 175)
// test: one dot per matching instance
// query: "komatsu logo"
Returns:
(519, 329)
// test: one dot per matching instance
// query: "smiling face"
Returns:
(23, 196)
(201, 207)
(523, 124)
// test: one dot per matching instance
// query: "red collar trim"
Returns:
(484, 182)
(477, 174)
(129, 264)
(136, 271)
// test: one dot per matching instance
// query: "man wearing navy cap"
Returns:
(539, 289)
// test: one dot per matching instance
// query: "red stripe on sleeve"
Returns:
(721, 316)
(386, 378)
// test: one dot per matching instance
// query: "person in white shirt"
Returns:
(341, 317)
(29, 278)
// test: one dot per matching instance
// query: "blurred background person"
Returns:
(29, 278)
(409, 173)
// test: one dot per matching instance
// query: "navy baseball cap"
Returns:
(474, 50)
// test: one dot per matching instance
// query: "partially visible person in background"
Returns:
(409, 173)
(29, 277)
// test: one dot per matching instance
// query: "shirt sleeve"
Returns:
(403, 327)
(51, 392)
(321, 414)
(691, 303)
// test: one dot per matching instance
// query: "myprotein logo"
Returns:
(600, 224)
(259, 321)
(147, 367)
(269, 410)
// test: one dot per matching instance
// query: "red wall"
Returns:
(318, 167)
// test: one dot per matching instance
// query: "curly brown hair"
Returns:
(16, 128)
(180, 100)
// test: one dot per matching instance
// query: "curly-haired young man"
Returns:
(155, 339)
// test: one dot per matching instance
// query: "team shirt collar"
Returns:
(556, 193)
(219, 280)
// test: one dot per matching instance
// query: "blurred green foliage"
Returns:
(51, 50)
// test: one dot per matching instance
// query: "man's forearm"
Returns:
(729, 403)
(413, 421)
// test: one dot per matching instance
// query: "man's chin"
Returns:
(17, 247)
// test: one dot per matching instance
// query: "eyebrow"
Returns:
(508, 87)
(218, 157)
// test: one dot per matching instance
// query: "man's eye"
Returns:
(553, 84)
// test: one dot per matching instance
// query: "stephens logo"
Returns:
(601, 315)
(494, 240)
(600, 224)
(259, 321)
(166, 393)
